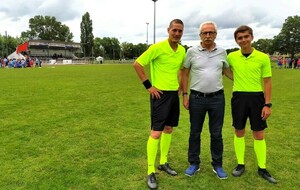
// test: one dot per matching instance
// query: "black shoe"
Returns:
(266, 175)
(151, 181)
(239, 170)
(166, 167)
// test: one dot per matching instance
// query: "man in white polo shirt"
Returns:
(205, 64)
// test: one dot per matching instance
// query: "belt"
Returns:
(212, 94)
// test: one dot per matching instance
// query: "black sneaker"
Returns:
(166, 167)
(151, 181)
(266, 175)
(239, 170)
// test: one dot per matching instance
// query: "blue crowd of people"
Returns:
(26, 62)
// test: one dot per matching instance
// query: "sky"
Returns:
(127, 20)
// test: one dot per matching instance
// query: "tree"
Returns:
(47, 28)
(232, 50)
(127, 50)
(264, 45)
(8, 44)
(288, 40)
(139, 49)
(86, 36)
(97, 47)
(111, 47)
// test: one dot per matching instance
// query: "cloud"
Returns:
(62, 10)
(126, 20)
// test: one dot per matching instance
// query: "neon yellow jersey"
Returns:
(164, 64)
(248, 72)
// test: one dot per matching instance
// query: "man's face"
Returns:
(208, 34)
(175, 32)
(244, 39)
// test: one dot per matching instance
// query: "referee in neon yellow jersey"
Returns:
(251, 99)
(166, 59)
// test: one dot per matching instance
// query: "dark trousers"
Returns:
(198, 107)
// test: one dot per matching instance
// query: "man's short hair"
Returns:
(208, 22)
(243, 28)
(178, 21)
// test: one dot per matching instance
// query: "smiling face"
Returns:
(175, 31)
(244, 39)
(243, 36)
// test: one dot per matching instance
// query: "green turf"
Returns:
(86, 127)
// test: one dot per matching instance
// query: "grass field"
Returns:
(86, 127)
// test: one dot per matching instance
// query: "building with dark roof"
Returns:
(49, 49)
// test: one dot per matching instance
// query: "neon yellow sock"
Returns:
(165, 143)
(152, 147)
(239, 147)
(260, 149)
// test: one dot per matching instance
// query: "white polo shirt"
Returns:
(206, 68)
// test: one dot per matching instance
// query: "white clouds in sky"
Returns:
(126, 20)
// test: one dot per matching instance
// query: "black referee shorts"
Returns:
(248, 105)
(165, 111)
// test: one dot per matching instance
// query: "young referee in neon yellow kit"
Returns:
(251, 99)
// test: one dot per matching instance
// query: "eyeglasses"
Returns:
(209, 32)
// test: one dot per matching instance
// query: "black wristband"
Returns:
(147, 84)
(184, 93)
(268, 105)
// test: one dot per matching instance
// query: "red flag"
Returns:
(22, 47)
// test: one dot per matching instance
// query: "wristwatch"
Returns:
(268, 105)
(184, 93)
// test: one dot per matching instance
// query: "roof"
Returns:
(38, 44)
(49, 43)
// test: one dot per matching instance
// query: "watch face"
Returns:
(268, 105)
(184, 93)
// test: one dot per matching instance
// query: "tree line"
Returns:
(287, 42)
(48, 28)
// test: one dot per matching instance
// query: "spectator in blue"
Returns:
(279, 63)
(12, 63)
(18, 64)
